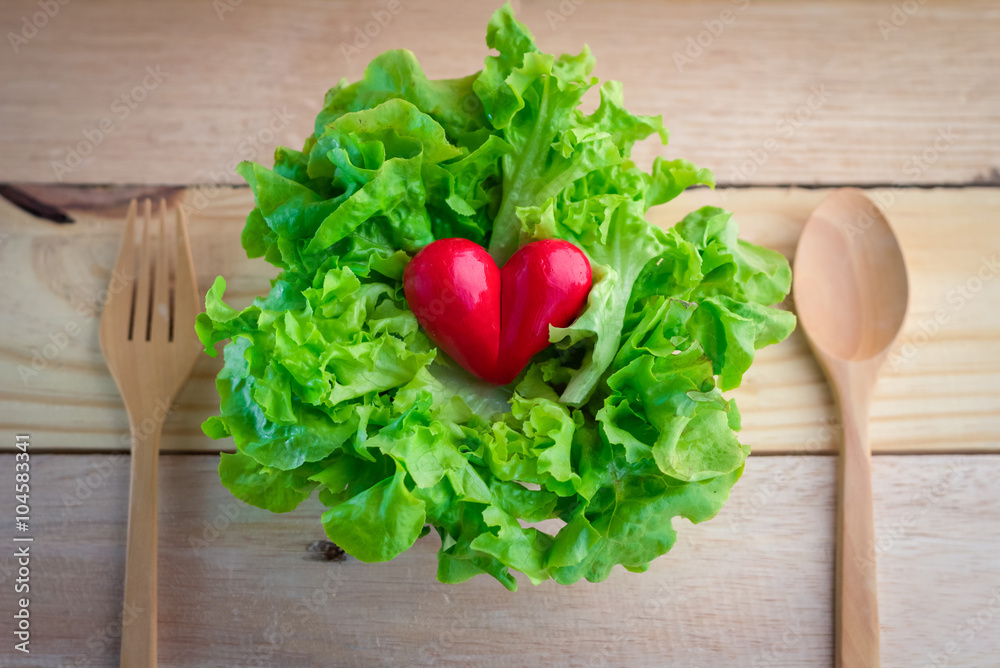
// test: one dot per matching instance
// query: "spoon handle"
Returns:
(857, 627)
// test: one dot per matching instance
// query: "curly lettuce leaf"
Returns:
(274, 490)
(379, 523)
(329, 384)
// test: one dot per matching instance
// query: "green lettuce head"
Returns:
(329, 384)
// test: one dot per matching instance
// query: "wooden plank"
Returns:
(940, 388)
(752, 587)
(939, 392)
(763, 92)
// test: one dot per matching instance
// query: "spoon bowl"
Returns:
(851, 287)
(851, 293)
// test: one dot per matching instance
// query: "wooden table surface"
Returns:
(105, 100)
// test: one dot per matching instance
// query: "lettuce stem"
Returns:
(517, 175)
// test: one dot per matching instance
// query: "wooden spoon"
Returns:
(851, 293)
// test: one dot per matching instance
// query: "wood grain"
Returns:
(938, 392)
(761, 91)
(753, 587)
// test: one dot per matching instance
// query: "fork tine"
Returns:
(186, 296)
(159, 326)
(143, 283)
(117, 314)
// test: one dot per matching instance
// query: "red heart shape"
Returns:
(493, 321)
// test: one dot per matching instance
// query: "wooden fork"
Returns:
(148, 341)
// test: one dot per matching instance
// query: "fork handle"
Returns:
(139, 611)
